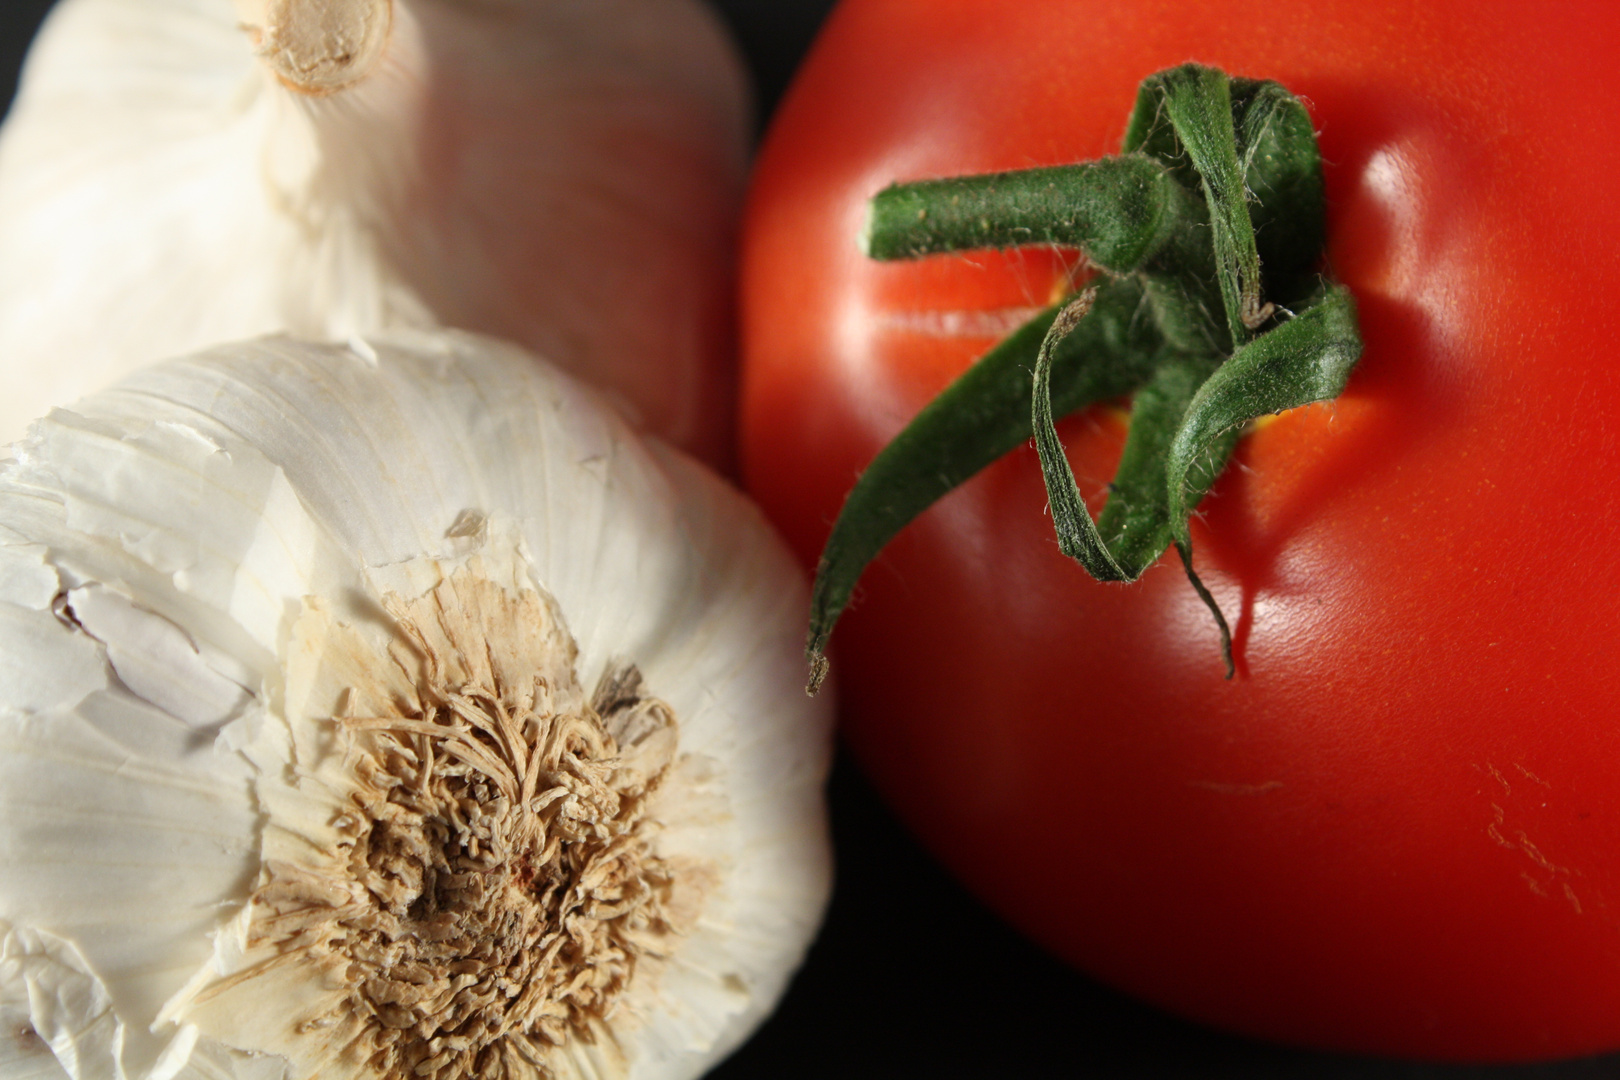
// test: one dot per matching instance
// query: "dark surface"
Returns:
(18, 18)
(774, 35)
(911, 977)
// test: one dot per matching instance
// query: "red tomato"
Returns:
(1397, 830)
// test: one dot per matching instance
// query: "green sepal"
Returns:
(1185, 422)
(1198, 103)
(1272, 146)
(1282, 172)
(1139, 520)
(1076, 533)
(1304, 359)
(1213, 218)
(982, 415)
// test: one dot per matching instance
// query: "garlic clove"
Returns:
(328, 627)
(558, 174)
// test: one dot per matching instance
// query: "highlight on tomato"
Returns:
(1396, 827)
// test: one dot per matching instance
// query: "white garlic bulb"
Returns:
(391, 711)
(557, 173)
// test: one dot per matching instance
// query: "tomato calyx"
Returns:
(1207, 233)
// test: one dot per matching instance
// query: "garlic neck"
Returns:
(317, 47)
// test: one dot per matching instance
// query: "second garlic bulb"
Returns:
(391, 711)
(561, 174)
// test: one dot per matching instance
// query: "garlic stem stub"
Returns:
(391, 710)
(564, 175)
(317, 46)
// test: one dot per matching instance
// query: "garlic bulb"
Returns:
(391, 711)
(564, 175)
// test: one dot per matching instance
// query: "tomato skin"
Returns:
(1397, 830)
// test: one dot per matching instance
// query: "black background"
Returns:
(911, 977)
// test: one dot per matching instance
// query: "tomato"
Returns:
(1397, 829)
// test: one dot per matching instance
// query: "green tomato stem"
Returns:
(1121, 211)
(1206, 319)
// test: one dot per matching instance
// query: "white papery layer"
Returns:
(534, 169)
(185, 516)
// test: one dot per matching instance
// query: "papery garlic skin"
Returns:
(560, 174)
(204, 569)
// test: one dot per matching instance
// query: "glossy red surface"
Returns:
(1398, 829)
